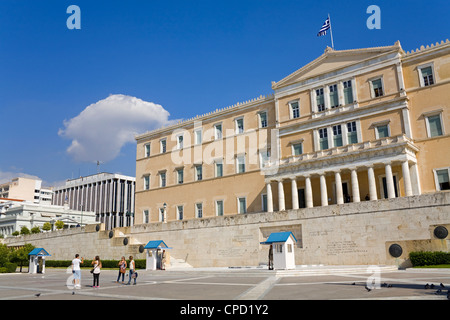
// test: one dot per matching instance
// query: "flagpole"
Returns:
(331, 32)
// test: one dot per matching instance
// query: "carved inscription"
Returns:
(342, 247)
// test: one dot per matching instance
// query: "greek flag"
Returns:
(325, 27)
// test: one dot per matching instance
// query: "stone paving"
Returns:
(226, 284)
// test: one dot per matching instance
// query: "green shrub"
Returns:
(10, 267)
(140, 263)
(429, 258)
(3, 270)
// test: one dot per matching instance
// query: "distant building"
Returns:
(27, 189)
(110, 196)
(17, 214)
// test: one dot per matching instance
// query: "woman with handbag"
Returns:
(122, 269)
(133, 273)
(96, 271)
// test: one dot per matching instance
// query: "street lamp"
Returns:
(81, 223)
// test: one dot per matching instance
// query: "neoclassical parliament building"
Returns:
(350, 126)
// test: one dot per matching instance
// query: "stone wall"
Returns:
(348, 234)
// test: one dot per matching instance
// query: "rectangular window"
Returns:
(443, 179)
(162, 146)
(199, 210)
(348, 92)
(382, 131)
(320, 101)
(239, 126)
(334, 99)
(427, 76)
(240, 164)
(162, 179)
(180, 212)
(146, 216)
(219, 208)
(323, 138)
(264, 203)
(297, 149)
(377, 88)
(337, 136)
(180, 176)
(180, 142)
(242, 205)
(351, 132)
(264, 157)
(263, 120)
(218, 131)
(146, 182)
(198, 136)
(434, 126)
(147, 150)
(161, 214)
(198, 173)
(295, 110)
(219, 169)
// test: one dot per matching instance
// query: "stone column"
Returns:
(323, 191)
(339, 194)
(355, 186)
(372, 184)
(281, 204)
(415, 181)
(269, 197)
(389, 181)
(407, 179)
(294, 193)
(308, 193)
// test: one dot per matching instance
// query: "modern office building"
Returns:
(27, 189)
(350, 126)
(110, 196)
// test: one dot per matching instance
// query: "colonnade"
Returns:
(409, 174)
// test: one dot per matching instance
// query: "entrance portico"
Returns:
(362, 164)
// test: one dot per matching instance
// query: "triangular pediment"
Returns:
(333, 60)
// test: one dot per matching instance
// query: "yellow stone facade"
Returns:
(350, 126)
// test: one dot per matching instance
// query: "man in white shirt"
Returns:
(76, 270)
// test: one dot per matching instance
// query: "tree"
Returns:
(24, 230)
(4, 254)
(35, 230)
(15, 233)
(20, 256)
(59, 224)
(47, 226)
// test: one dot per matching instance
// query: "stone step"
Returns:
(324, 270)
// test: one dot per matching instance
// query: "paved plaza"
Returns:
(228, 284)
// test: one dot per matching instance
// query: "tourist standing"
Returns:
(96, 271)
(122, 269)
(76, 270)
(132, 273)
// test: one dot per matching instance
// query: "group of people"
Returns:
(96, 267)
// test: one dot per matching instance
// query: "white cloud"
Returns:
(103, 128)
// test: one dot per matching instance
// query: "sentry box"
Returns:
(37, 260)
(154, 254)
(283, 249)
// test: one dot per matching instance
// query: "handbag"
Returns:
(92, 270)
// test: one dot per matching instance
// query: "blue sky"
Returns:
(182, 57)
